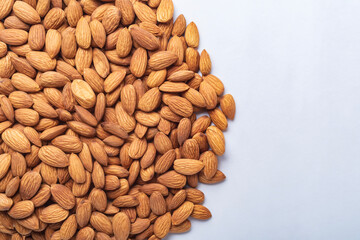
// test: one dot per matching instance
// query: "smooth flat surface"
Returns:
(292, 156)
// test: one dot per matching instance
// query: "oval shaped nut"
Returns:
(53, 214)
(180, 106)
(139, 225)
(98, 33)
(63, 196)
(192, 35)
(5, 8)
(162, 143)
(139, 62)
(36, 39)
(156, 78)
(5, 161)
(101, 223)
(192, 58)
(205, 63)
(42, 196)
(20, 99)
(200, 212)
(68, 228)
(128, 98)
(126, 201)
(218, 177)
(16, 140)
(178, 199)
(22, 209)
(144, 38)
(24, 83)
(157, 203)
(215, 83)
(41, 61)
(86, 233)
(68, 144)
(182, 213)
(165, 162)
(83, 93)
(14, 37)
(188, 166)
(172, 179)
(111, 19)
(82, 128)
(144, 12)
(162, 60)
(195, 98)
(5, 202)
(138, 148)
(76, 169)
(53, 156)
(228, 107)
(30, 184)
(52, 79)
(210, 164)
(26, 116)
(26, 12)
(124, 43)
(209, 94)
(101, 63)
(162, 225)
(219, 119)
(73, 12)
(216, 140)
(121, 226)
(165, 12)
(54, 18)
(147, 119)
(150, 100)
(114, 80)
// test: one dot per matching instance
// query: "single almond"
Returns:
(16, 140)
(53, 156)
(53, 214)
(63, 196)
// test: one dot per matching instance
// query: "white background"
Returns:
(292, 158)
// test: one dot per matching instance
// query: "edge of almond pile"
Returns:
(100, 137)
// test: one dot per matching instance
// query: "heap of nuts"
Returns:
(99, 133)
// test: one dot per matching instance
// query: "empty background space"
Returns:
(293, 151)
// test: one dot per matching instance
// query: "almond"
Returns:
(172, 179)
(180, 106)
(21, 209)
(83, 93)
(53, 156)
(54, 18)
(179, 26)
(144, 38)
(41, 61)
(13, 36)
(227, 104)
(53, 214)
(192, 35)
(162, 225)
(16, 140)
(139, 62)
(73, 13)
(53, 42)
(98, 33)
(162, 60)
(157, 203)
(165, 12)
(5, 202)
(63, 196)
(36, 39)
(150, 100)
(216, 140)
(144, 13)
(121, 226)
(182, 213)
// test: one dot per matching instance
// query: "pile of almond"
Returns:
(99, 133)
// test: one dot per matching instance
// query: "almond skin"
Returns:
(227, 104)
(53, 156)
(63, 196)
(188, 166)
(53, 214)
(121, 226)
(16, 140)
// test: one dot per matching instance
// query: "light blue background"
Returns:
(293, 152)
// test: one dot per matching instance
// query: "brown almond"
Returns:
(227, 104)
(63, 196)
(172, 179)
(182, 213)
(53, 156)
(16, 140)
(53, 214)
